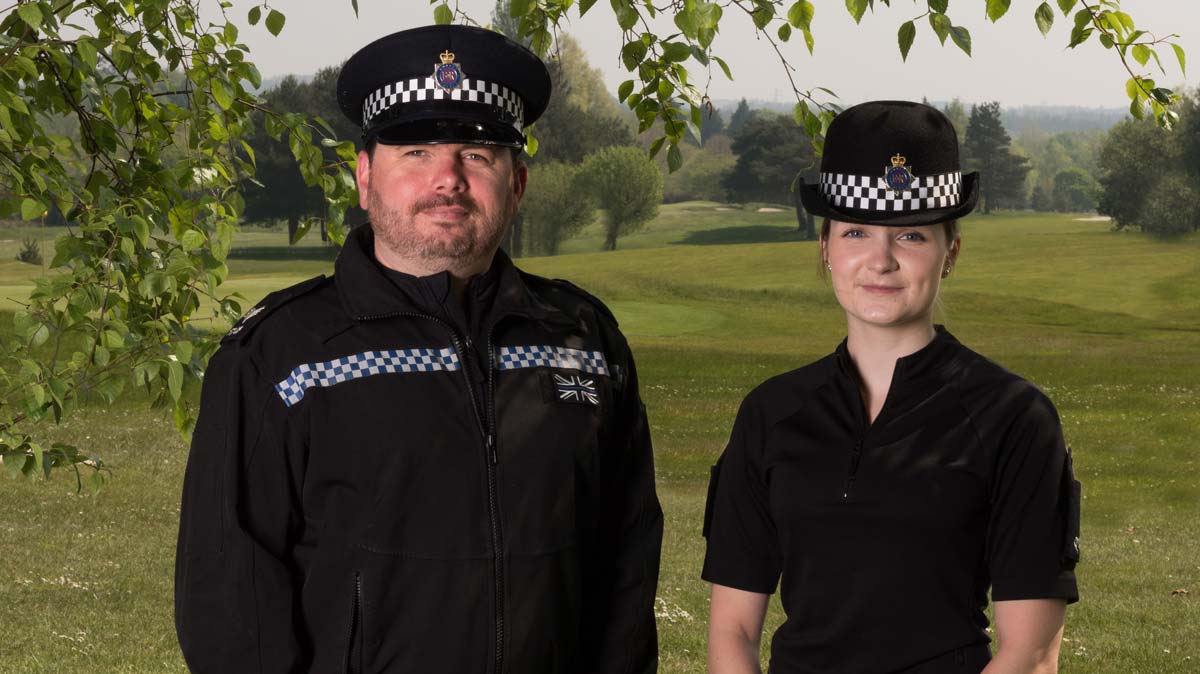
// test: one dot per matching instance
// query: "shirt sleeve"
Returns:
(743, 546)
(1033, 529)
(235, 585)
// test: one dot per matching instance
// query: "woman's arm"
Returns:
(735, 629)
(1030, 633)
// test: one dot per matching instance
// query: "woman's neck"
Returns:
(875, 351)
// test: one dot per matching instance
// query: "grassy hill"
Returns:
(1108, 324)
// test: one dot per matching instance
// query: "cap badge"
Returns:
(447, 74)
(898, 176)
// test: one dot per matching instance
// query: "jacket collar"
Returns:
(367, 291)
(935, 359)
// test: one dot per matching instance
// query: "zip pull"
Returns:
(491, 448)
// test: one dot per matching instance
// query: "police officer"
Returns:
(431, 461)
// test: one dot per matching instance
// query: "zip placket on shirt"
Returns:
(485, 418)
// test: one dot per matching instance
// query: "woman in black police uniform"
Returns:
(893, 482)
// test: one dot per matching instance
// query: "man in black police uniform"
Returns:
(432, 461)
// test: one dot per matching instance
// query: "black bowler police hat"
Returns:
(891, 163)
(444, 84)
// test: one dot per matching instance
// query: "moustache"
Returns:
(459, 200)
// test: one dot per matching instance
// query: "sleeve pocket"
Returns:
(714, 475)
(1073, 493)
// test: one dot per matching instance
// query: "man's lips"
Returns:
(446, 212)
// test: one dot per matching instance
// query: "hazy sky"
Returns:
(1012, 63)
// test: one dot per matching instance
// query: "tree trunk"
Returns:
(610, 240)
(804, 219)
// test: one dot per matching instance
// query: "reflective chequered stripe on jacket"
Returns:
(561, 357)
(360, 365)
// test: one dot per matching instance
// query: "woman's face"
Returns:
(887, 276)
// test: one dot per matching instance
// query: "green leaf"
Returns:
(907, 32)
(1132, 89)
(585, 5)
(1065, 6)
(856, 8)
(443, 15)
(175, 378)
(676, 51)
(1079, 35)
(633, 53)
(1162, 95)
(1044, 17)
(674, 158)
(724, 67)
(222, 93)
(275, 21)
(962, 38)
(518, 8)
(762, 15)
(939, 6)
(40, 335)
(1141, 54)
(941, 26)
(1125, 19)
(32, 209)
(784, 32)
(1137, 109)
(801, 14)
(254, 16)
(656, 146)
(1106, 40)
(31, 14)
(800, 112)
(627, 16)
(354, 4)
(997, 9)
(192, 240)
(808, 39)
(1182, 58)
(301, 230)
(27, 65)
(624, 90)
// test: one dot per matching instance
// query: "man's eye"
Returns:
(476, 156)
(415, 153)
(853, 233)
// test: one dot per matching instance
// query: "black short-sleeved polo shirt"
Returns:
(888, 535)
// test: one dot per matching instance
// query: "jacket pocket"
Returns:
(1074, 492)
(354, 641)
(714, 476)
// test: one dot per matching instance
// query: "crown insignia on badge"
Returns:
(447, 75)
(898, 177)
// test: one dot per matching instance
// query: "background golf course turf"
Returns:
(1107, 323)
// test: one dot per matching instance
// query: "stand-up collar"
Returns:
(367, 289)
(932, 360)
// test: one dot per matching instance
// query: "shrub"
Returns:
(31, 252)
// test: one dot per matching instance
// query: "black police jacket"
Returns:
(369, 491)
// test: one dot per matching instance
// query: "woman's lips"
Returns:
(882, 290)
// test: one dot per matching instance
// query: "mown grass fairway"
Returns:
(1108, 324)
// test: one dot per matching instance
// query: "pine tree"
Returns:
(741, 115)
(988, 150)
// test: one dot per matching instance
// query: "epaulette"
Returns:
(252, 318)
(574, 289)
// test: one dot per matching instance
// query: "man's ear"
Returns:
(362, 176)
(520, 178)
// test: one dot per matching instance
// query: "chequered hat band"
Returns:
(472, 90)
(360, 365)
(871, 193)
(561, 357)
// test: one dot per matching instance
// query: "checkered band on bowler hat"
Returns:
(891, 163)
(444, 84)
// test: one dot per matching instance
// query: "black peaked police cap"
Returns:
(891, 163)
(444, 84)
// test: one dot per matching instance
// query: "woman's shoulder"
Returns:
(993, 392)
(785, 393)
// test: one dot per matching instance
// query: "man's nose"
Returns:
(447, 173)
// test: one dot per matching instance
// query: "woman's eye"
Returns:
(912, 236)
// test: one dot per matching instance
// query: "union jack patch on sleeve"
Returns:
(576, 389)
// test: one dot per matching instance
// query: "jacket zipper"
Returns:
(493, 501)
(487, 428)
(355, 621)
